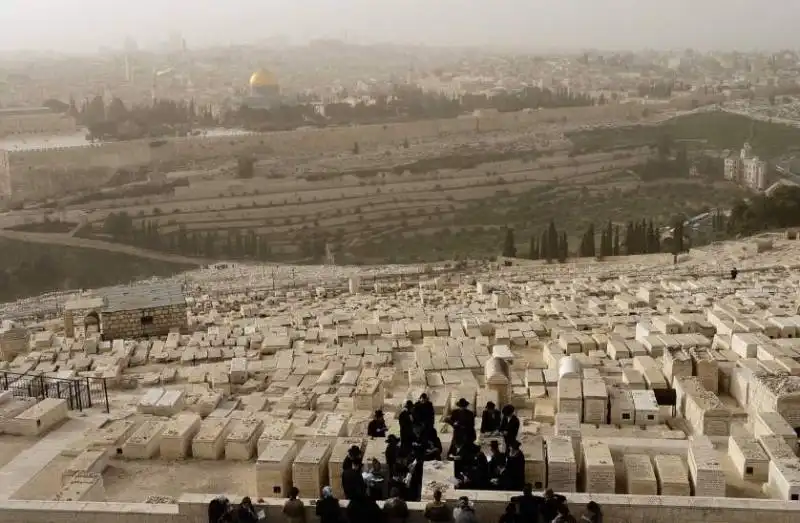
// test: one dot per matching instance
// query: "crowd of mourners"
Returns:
(364, 484)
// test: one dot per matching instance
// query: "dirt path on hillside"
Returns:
(84, 243)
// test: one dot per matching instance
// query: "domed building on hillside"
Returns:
(265, 91)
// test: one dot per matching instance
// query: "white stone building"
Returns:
(747, 169)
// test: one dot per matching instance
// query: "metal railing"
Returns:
(80, 393)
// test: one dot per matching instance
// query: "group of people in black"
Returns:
(503, 469)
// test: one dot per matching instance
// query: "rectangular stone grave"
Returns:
(209, 442)
(338, 453)
(176, 438)
(274, 429)
(310, 467)
(595, 401)
(242, 439)
(145, 442)
(273, 470)
(599, 476)
(672, 475)
(561, 464)
(40, 418)
(147, 404)
(92, 461)
(83, 486)
(640, 478)
(535, 463)
(170, 403)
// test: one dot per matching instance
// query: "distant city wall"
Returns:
(40, 123)
(193, 508)
(42, 173)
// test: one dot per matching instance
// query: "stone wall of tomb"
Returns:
(156, 321)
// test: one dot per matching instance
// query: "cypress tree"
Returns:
(509, 248)
(552, 241)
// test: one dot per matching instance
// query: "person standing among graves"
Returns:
(406, 420)
(424, 413)
(392, 451)
(353, 482)
(463, 421)
(377, 426)
(220, 510)
(432, 445)
(734, 273)
(497, 462)
(530, 506)
(509, 425)
(246, 513)
(512, 476)
(353, 454)
(490, 419)
(460, 455)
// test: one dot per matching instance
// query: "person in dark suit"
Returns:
(509, 424)
(490, 419)
(460, 454)
(377, 426)
(512, 477)
(497, 462)
(463, 421)
(406, 420)
(353, 482)
(423, 411)
(353, 454)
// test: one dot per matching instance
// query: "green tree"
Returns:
(533, 249)
(552, 241)
(563, 247)
(509, 248)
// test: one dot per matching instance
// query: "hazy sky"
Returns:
(81, 25)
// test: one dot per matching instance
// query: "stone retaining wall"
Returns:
(192, 508)
(129, 324)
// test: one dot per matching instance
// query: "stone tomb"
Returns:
(535, 464)
(240, 444)
(708, 478)
(148, 401)
(176, 439)
(640, 478)
(40, 418)
(209, 443)
(595, 401)
(672, 475)
(561, 466)
(274, 429)
(170, 403)
(622, 411)
(748, 458)
(145, 441)
(599, 476)
(310, 467)
(113, 435)
(83, 486)
(437, 475)
(88, 461)
(273, 470)
(11, 409)
(368, 394)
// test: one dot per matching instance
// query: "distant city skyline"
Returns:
(532, 24)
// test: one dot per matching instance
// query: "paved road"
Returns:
(71, 241)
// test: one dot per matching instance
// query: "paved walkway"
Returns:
(30, 462)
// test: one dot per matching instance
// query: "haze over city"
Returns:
(530, 24)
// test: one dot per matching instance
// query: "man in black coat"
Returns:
(509, 425)
(513, 474)
(550, 506)
(406, 421)
(490, 419)
(376, 428)
(423, 411)
(530, 506)
(463, 421)
(353, 482)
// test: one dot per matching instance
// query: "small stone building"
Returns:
(129, 311)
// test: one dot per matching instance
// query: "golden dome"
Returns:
(263, 78)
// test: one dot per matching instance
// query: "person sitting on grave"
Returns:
(509, 424)
(392, 450)
(377, 426)
(423, 411)
(375, 480)
(490, 419)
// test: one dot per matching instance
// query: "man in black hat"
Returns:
(406, 420)
(490, 419)
(377, 426)
(509, 425)
(463, 421)
(353, 454)
(423, 411)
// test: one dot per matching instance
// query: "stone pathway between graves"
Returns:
(30, 462)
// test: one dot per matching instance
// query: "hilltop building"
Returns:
(747, 169)
(265, 91)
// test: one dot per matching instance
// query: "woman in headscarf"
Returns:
(328, 509)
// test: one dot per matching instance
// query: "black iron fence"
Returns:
(80, 393)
